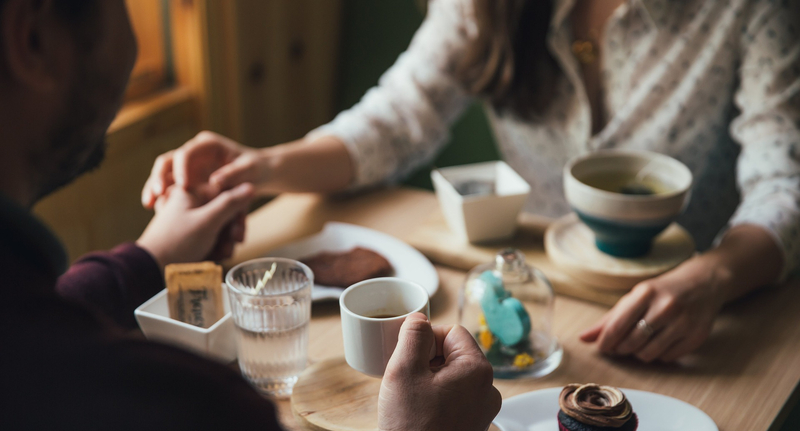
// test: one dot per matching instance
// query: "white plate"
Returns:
(536, 411)
(408, 263)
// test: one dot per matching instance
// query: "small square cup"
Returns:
(216, 342)
(481, 217)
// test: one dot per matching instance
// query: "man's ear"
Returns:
(35, 44)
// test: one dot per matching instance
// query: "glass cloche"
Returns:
(507, 305)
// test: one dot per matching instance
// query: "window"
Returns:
(150, 71)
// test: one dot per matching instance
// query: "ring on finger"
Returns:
(645, 327)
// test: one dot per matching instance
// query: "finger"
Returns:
(162, 168)
(459, 343)
(440, 332)
(662, 311)
(149, 195)
(663, 340)
(623, 317)
(205, 191)
(223, 208)
(167, 199)
(239, 171)
(590, 335)
(412, 353)
(188, 165)
(464, 359)
(148, 198)
(159, 180)
(638, 337)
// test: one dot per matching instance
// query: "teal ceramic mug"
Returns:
(626, 197)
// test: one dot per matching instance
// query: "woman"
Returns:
(713, 83)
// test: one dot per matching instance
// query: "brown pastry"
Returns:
(342, 269)
(592, 407)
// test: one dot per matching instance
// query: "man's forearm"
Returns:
(113, 283)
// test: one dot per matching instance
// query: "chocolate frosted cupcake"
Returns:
(595, 408)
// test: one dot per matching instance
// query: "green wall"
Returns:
(375, 32)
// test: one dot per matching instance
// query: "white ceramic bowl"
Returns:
(481, 217)
(624, 225)
(216, 342)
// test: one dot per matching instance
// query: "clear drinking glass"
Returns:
(271, 323)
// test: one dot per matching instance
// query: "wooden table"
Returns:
(744, 376)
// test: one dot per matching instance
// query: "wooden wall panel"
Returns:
(264, 70)
(287, 62)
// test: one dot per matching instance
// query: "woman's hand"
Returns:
(672, 315)
(454, 394)
(678, 307)
(206, 165)
(186, 229)
(211, 163)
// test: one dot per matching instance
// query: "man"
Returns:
(66, 362)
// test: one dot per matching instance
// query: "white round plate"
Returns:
(408, 263)
(537, 410)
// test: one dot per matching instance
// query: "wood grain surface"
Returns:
(744, 376)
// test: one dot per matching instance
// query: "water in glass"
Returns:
(271, 323)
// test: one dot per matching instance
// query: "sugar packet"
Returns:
(194, 293)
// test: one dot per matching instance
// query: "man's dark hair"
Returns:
(73, 11)
(78, 15)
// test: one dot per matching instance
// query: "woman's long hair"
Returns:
(508, 63)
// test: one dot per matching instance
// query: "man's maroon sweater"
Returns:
(67, 361)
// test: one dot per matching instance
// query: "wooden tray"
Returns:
(569, 275)
(435, 240)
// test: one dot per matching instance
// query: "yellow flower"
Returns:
(523, 360)
(481, 321)
(486, 338)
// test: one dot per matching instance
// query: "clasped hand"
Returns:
(452, 392)
(200, 193)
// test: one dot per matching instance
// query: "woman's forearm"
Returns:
(321, 166)
(747, 258)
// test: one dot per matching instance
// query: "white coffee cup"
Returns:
(369, 336)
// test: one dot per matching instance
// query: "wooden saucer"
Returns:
(331, 396)
(570, 245)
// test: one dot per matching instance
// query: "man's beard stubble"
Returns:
(77, 145)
